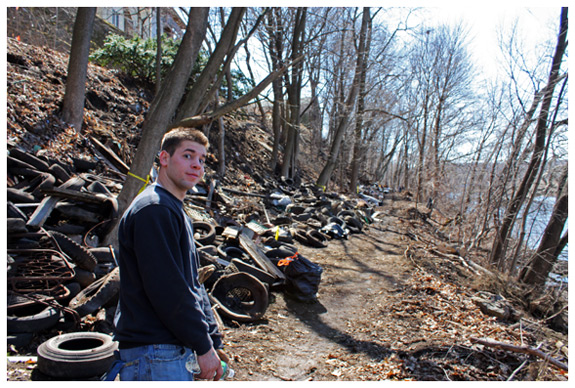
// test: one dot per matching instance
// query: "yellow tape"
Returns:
(146, 181)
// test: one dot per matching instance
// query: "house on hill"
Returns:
(51, 27)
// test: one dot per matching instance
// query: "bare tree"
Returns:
(537, 270)
(349, 105)
(74, 97)
(497, 256)
(162, 109)
(204, 84)
(251, 73)
(294, 86)
(441, 71)
(359, 122)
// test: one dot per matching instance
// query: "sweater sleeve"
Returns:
(157, 233)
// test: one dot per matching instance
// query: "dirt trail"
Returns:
(385, 312)
(313, 341)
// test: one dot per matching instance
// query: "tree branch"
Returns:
(520, 349)
(206, 118)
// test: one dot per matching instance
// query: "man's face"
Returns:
(185, 168)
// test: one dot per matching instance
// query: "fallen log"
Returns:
(206, 118)
(520, 349)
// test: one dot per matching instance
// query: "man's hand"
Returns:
(210, 366)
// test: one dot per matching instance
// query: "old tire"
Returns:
(19, 339)
(59, 172)
(29, 158)
(96, 294)
(19, 196)
(76, 355)
(104, 254)
(204, 232)
(280, 253)
(31, 318)
(84, 278)
(300, 236)
(16, 225)
(42, 181)
(241, 297)
(229, 252)
(316, 239)
(15, 212)
(337, 221)
(79, 255)
(353, 224)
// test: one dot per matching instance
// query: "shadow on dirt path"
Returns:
(311, 316)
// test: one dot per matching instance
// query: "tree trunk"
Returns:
(252, 77)
(159, 49)
(541, 264)
(347, 108)
(200, 88)
(162, 109)
(498, 252)
(275, 48)
(227, 71)
(73, 105)
(422, 151)
(222, 148)
(358, 146)
(294, 95)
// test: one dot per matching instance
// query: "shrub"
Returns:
(135, 57)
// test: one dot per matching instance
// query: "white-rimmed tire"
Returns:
(76, 355)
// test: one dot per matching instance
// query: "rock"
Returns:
(495, 306)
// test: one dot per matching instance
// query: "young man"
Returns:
(165, 319)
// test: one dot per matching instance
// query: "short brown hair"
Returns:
(174, 137)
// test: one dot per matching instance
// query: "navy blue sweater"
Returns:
(161, 300)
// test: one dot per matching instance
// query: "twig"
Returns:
(456, 257)
(266, 213)
(520, 349)
(408, 256)
(512, 375)
(233, 191)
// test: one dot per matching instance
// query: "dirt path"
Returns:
(320, 341)
(313, 341)
(382, 314)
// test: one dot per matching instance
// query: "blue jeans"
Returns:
(156, 363)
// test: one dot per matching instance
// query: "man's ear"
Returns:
(164, 156)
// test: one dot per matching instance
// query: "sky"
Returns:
(535, 26)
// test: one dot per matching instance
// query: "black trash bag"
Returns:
(302, 278)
